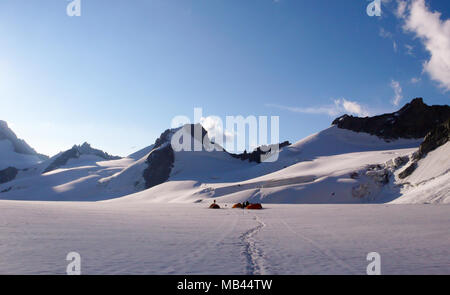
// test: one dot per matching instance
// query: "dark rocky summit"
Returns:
(437, 137)
(161, 158)
(414, 120)
(74, 153)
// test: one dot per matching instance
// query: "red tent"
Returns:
(254, 206)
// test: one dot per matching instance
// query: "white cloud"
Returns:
(409, 49)
(415, 80)
(401, 8)
(214, 126)
(398, 92)
(385, 34)
(340, 106)
(351, 107)
(434, 33)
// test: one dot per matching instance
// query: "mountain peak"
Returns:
(19, 145)
(75, 152)
(417, 101)
(414, 120)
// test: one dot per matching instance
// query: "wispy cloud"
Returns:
(340, 106)
(385, 34)
(401, 8)
(398, 92)
(415, 80)
(388, 35)
(433, 32)
(409, 49)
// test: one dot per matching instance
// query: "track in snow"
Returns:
(253, 254)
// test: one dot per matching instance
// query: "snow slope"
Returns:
(323, 180)
(329, 142)
(430, 182)
(115, 238)
(77, 180)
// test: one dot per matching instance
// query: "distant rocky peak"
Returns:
(414, 120)
(160, 160)
(74, 153)
(86, 148)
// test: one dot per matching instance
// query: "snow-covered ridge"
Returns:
(15, 152)
(19, 145)
(76, 152)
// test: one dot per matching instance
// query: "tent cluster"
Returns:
(245, 205)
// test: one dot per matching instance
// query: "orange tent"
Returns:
(254, 206)
(238, 205)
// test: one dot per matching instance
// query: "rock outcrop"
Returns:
(161, 159)
(437, 137)
(258, 154)
(160, 164)
(414, 120)
(434, 139)
(8, 174)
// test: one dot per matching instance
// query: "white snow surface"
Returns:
(139, 238)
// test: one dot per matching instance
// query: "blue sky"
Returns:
(116, 75)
